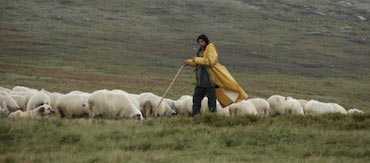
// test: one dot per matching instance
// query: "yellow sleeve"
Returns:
(210, 59)
(190, 62)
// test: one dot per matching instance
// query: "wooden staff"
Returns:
(173, 82)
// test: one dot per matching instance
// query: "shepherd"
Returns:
(213, 79)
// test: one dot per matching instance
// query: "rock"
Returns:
(346, 3)
(319, 13)
(306, 7)
(346, 27)
(319, 33)
(361, 18)
(348, 30)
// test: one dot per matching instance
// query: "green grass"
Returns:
(270, 47)
(329, 138)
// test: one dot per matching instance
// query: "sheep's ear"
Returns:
(42, 109)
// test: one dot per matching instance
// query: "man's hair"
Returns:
(204, 38)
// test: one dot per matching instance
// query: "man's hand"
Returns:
(190, 62)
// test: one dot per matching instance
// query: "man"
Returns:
(213, 79)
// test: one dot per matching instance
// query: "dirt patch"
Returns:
(88, 76)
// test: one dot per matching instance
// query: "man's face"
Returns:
(201, 43)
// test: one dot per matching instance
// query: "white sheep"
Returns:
(170, 102)
(20, 100)
(27, 97)
(109, 104)
(23, 89)
(302, 102)
(36, 113)
(292, 106)
(219, 109)
(37, 100)
(134, 98)
(184, 105)
(10, 103)
(337, 108)
(242, 108)
(3, 92)
(276, 103)
(262, 106)
(54, 98)
(73, 106)
(355, 111)
(24, 94)
(314, 107)
(3, 108)
(78, 92)
(149, 106)
(5, 89)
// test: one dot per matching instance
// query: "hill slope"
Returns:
(305, 49)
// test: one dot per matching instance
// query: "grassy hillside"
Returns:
(306, 49)
(318, 49)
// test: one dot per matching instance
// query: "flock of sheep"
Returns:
(23, 102)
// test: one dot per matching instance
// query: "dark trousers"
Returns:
(199, 94)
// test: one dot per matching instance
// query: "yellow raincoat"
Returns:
(228, 90)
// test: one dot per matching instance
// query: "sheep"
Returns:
(78, 92)
(170, 102)
(338, 109)
(149, 106)
(219, 109)
(262, 106)
(24, 94)
(302, 102)
(314, 107)
(54, 98)
(36, 100)
(242, 108)
(118, 91)
(10, 103)
(276, 103)
(23, 89)
(27, 97)
(20, 100)
(222, 111)
(5, 89)
(134, 98)
(184, 105)
(109, 104)
(355, 111)
(292, 106)
(36, 113)
(73, 106)
(3, 108)
(3, 92)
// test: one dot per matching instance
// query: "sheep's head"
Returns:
(147, 109)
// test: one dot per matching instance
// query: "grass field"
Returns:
(208, 138)
(306, 49)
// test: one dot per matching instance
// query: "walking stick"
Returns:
(173, 82)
